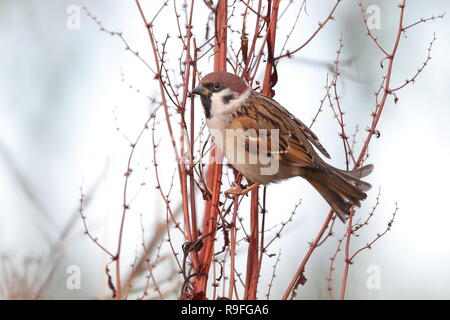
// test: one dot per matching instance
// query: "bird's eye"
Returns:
(216, 85)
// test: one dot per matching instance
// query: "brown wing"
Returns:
(293, 146)
(310, 136)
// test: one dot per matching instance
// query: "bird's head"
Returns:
(221, 89)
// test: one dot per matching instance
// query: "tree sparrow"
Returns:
(254, 131)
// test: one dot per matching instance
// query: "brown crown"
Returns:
(227, 80)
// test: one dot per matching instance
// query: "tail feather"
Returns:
(359, 172)
(341, 189)
(354, 177)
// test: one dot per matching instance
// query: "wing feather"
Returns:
(294, 142)
(307, 132)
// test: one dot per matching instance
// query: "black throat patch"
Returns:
(206, 102)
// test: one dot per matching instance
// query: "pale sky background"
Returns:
(62, 98)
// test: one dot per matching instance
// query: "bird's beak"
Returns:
(201, 90)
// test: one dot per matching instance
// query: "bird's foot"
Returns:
(238, 191)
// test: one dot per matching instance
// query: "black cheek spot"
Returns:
(226, 99)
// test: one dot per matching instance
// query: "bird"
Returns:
(246, 124)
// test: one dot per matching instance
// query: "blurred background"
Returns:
(72, 98)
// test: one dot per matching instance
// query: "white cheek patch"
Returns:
(220, 111)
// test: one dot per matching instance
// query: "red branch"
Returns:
(214, 175)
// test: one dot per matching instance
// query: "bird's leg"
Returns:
(238, 191)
